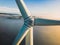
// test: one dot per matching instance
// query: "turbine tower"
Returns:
(29, 22)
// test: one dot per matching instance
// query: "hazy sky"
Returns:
(42, 8)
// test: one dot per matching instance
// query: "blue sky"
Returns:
(8, 3)
(41, 8)
(12, 3)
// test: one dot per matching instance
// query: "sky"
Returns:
(40, 8)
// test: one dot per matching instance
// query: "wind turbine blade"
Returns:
(23, 9)
(42, 22)
(22, 34)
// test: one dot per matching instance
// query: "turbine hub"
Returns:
(29, 21)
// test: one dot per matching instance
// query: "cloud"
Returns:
(9, 10)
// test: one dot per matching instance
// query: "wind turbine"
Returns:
(29, 22)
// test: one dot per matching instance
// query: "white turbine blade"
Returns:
(22, 33)
(43, 22)
(23, 9)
